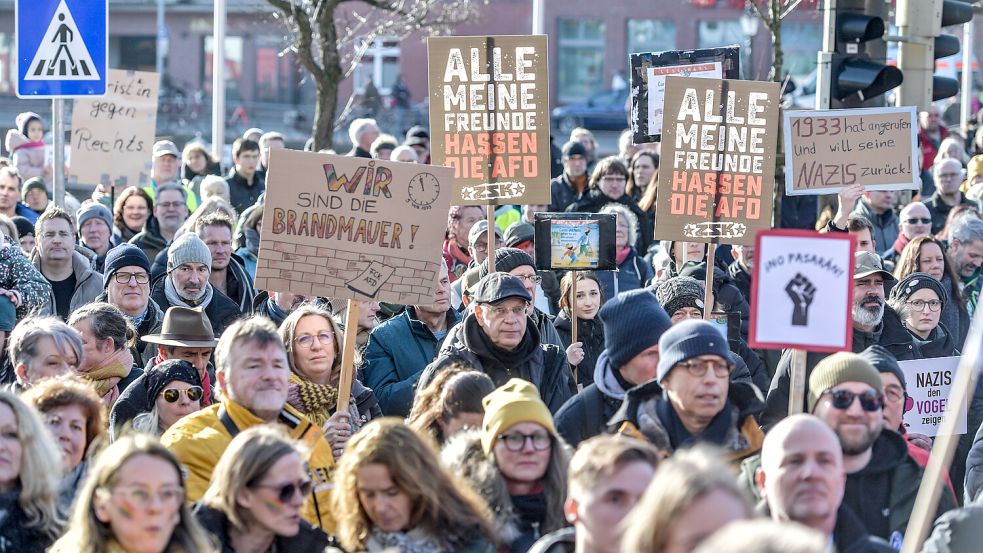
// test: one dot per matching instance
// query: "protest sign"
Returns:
(346, 227)
(648, 81)
(929, 383)
(489, 117)
(802, 291)
(113, 135)
(576, 241)
(717, 169)
(826, 151)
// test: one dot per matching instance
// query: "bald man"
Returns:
(915, 220)
(802, 479)
(948, 175)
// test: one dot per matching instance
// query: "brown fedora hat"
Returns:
(184, 327)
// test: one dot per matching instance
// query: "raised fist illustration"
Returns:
(801, 291)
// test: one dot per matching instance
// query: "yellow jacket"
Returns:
(199, 439)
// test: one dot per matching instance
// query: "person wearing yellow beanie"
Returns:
(515, 402)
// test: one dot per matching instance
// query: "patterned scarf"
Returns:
(105, 378)
(170, 292)
(316, 401)
(414, 541)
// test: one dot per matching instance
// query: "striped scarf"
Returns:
(316, 401)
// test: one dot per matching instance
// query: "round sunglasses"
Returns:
(172, 395)
(285, 492)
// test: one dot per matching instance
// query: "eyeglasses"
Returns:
(535, 279)
(172, 395)
(142, 498)
(285, 492)
(842, 399)
(919, 305)
(306, 341)
(170, 205)
(918, 220)
(124, 278)
(541, 441)
(518, 311)
(699, 367)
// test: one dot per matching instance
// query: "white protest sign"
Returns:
(929, 382)
(803, 287)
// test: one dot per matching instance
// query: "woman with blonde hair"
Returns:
(256, 494)
(133, 500)
(449, 403)
(692, 496)
(314, 343)
(29, 476)
(391, 492)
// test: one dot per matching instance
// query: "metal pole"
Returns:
(967, 79)
(538, 17)
(58, 143)
(161, 38)
(825, 59)
(218, 81)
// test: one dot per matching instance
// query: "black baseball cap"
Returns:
(497, 287)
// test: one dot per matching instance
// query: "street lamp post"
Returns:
(749, 26)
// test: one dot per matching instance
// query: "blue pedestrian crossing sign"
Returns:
(62, 47)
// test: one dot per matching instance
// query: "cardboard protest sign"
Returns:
(717, 169)
(826, 151)
(113, 135)
(802, 291)
(355, 228)
(929, 382)
(576, 241)
(648, 82)
(489, 117)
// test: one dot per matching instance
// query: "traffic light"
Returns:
(920, 23)
(859, 71)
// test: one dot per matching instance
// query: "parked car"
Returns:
(606, 110)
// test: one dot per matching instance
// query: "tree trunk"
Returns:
(777, 57)
(324, 115)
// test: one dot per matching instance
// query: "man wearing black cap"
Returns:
(419, 139)
(499, 339)
(629, 358)
(126, 285)
(185, 334)
(572, 184)
(692, 398)
(867, 312)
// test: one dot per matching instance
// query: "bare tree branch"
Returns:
(789, 8)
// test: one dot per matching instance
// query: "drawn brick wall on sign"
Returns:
(325, 271)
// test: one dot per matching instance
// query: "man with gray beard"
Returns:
(867, 313)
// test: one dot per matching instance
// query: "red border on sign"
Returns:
(752, 335)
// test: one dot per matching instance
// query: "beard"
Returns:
(855, 445)
(868, 316)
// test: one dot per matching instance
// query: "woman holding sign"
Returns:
(917, 301)
(590, 332)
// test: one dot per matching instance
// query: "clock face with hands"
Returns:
(423, 190)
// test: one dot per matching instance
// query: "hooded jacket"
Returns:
(199, 439)
(776, 402)
(545, 365)
(221, 311)
(639, 415)
(398, 351)
(586, 414)
(149, 239)
(591, 333)
(217, 524)
(88, 283)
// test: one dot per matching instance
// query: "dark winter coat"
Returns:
(395, 356)
(849, 535)
(238, 284)
(563, 194)
(799, 212)
(591, 333)
(545, 365)
(547, 329)
(958, 531)
(955, 317)
(149, 239)
(741, 279)
(221, 311)
(906, 346)
(940, 210)
(725, 293)
(243, 194)
(216, 523)
(586, 414)
(15, 534)
(639, 416)
(633, 273)
(263, 305)
(776, 402)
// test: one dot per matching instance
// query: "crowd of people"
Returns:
(155, 401)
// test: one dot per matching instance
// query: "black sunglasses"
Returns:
(842, 399)
(285, 492)
(172, 395)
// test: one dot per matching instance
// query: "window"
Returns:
(800, 42)
(380, 63)
(273, 70)
(233, 67)
(713, 34)
(581, 45)
(137, 53)
(651, 35)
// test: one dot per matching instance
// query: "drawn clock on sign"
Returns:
(423, 189)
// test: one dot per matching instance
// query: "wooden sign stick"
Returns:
(573, 317)
(797, 382)
(927, 500)
(491, 238)
(708, 285)
(348, 356)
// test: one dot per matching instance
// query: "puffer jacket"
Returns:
(88, 283)
(398, 351)
(545, 365)
(591, 333)
(18, 273)
(28, 158)
(199, 439)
